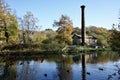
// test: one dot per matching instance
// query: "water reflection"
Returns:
(7, 72)
(83, 67)
(89, 66)
(64, 68)
(25, 71)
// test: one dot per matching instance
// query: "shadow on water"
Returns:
(53, 67)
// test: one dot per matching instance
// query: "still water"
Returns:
(90, 66)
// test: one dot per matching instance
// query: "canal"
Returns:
(96, 66)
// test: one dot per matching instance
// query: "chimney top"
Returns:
(83, 6)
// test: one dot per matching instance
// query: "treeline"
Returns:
(25, 30)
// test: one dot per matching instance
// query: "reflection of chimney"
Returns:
(83, 25)
(83, 67)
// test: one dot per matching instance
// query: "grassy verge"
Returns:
(28, 49)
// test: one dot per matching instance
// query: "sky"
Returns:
(100, 13)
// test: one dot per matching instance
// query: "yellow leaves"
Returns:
(65, 29)
(64, 24)
(68, 30)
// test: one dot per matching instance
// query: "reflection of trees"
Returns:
(77, 59)
(92, 58)
(25, 72)
(101, 57)
(8, 72)
(64, 69)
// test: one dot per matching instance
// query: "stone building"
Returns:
(89, 40)
(76, 39)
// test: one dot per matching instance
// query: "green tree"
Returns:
(114, 39)
(77, 30)
(12, 29)
(8, 24)
(46, 36)
(100, 33)
(65, 28)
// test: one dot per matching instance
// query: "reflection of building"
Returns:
(89, 40)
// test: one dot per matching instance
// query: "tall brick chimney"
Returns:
(83, 24)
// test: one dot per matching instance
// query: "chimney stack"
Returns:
(83, 24)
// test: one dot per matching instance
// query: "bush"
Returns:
(42, 46)
(51, 46)
(20, 46)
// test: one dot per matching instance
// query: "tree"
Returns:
(46, 36)
(100, 33)
(8, 23)
(28, 24)
(77, 30)
(114, 39)
(65, 28)
(13, 29)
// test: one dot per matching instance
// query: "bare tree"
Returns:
(28, 25)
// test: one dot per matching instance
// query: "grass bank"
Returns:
(31, 49)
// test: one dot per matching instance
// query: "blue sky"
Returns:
(100, 13)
